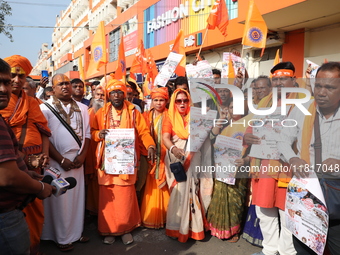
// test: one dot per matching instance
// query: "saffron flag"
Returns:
(218, 17)
(255, 30)
(152, 68)
(231, 71)
(81, 69)
(139, 64)
(178, 48)
(98, 50)
(276, 60)
(120, 73)
(81, 73)
(146, 88)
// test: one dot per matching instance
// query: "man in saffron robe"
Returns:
(118, 207)
(30, 128)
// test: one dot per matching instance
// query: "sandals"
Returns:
(109, 240)
(83, 239)
(65, 247)
(234, 239)
(127, 239)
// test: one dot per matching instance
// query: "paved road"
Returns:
(152, 242)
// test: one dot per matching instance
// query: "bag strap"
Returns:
(185, 147)
(67, 126)
(317, 142)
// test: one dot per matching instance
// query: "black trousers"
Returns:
(333, 241)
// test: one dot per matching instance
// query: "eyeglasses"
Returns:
(182, 101)
(117, 92)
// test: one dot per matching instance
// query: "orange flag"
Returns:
(139, 64)
(152, 68)
(146, 88)
(98, 49)
(81, 69)
(120, 73)
(178, 48)
(231, 71)
(276, 60)
(81, 73)
(255, 30)
(218, 17)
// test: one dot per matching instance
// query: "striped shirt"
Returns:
(9, 152)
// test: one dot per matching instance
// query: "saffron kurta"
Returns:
(118, 207)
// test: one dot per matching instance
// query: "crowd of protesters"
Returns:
(55, 127)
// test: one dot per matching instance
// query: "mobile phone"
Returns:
(44, 73)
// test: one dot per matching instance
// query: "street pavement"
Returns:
(151, 242)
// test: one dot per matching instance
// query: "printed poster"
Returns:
(315, 68)
(168, 69)
(201, 70)
(306, 213)
(120, 151)
(226, 151)
(268, 128)
(200, 126)
(238, 64)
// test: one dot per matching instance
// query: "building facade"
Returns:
(301, 29)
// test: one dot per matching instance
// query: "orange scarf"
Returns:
(126, 121)
(175, 117)
(157, 168)
(15, 113)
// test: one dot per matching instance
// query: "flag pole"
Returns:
(205, 35)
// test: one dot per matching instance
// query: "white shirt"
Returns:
(61, 138)
(329, 132)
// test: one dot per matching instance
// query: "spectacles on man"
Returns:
(182, 101)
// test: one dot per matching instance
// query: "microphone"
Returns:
(62, 184)
(52, 176)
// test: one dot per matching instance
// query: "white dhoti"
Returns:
(64, 215)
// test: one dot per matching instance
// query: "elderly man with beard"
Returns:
(91, 179)
(69, 123)
(118, 211)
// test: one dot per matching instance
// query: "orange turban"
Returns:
(160, 92)
(17, 60)
(115, 85)
(129, 89)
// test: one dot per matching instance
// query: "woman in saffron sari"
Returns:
(225, 212)
(156, 195)
(186, 214)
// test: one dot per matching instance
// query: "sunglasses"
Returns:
(182, 101)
